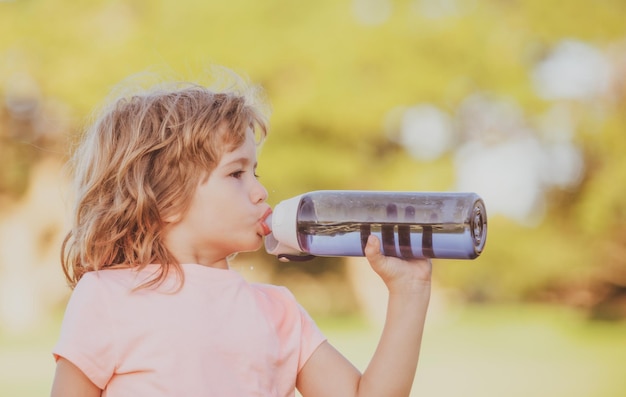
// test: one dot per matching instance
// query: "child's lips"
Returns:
(266, 228)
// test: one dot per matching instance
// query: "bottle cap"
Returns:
(284, 223)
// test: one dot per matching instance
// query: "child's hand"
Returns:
(399, 275)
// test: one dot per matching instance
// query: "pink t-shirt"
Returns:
(217, 336)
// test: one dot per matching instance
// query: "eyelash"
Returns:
(238, 174)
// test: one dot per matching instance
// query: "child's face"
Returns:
(226, 212)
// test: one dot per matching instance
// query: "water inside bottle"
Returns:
(449, 240)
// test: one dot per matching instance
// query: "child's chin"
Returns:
(252, 247)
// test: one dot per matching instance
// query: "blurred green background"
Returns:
(521, 101)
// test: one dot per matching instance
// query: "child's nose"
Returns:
(259, 193)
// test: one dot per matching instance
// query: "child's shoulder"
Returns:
(273, 290)
(281, 307)
(275, 294)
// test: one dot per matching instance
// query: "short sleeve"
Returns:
(312, 337)
(87, 336)
(297, 329)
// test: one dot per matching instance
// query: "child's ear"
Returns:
(172, 218)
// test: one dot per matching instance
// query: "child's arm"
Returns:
(69, 381)
(392, 368)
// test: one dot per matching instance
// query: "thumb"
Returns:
(373, 254)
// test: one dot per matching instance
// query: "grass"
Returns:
(467, 351)
(26, 363)
(509, 351)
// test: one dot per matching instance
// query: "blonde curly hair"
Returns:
(140, 162)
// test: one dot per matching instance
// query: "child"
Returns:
(167, 192)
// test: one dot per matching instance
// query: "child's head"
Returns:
(140, 162)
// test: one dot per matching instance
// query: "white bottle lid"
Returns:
(284, 228)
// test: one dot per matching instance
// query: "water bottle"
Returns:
(408, 224)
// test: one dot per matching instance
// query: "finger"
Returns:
(372, 251)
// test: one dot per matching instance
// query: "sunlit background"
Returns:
(520, 101)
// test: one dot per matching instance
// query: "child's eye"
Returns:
(237, 174)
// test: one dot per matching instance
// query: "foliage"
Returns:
(332, 82)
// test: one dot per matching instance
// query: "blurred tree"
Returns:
(336, 73)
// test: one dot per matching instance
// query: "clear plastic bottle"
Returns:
(408, 224)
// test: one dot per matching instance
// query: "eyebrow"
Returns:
(240, 160)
